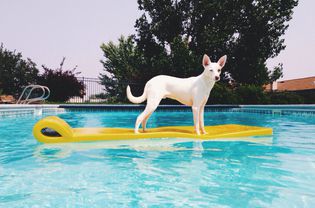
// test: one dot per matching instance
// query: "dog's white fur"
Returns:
(192, 91)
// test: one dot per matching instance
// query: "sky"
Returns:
(46, 31)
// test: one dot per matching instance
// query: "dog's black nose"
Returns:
(217, 78)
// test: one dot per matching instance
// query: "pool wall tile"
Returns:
(276, 110)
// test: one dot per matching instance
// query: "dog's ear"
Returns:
(206, 60)
(222, 61)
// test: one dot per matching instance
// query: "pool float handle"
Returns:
(55, 124)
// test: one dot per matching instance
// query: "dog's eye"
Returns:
(219, 70)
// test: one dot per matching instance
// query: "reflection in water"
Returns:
(63, 150)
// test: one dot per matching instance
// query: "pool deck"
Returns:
(27, 106)
(39, 109)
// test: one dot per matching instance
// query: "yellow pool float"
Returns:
(53, 129)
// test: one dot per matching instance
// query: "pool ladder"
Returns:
(28, 90)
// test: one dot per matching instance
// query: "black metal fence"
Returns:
(93, 91)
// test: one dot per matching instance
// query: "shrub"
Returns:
(285, 98)
(222, 94)
(100, 96)
(308, 96)
(251, 94)
(62, 84)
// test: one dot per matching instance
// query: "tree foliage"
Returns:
(249, 32)
(172, 36)
(277, 73)
(15, 72)
(63, 84)
(124, 65)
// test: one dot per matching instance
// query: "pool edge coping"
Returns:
(310, 107)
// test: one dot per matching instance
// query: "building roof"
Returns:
(307, 83)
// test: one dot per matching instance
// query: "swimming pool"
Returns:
(260, 172)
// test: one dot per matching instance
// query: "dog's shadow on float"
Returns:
(51, 152)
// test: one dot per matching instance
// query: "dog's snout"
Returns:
(217, 78)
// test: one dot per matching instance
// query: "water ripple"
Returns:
(160, 173)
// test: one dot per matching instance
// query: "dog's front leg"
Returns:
(196, 113)
(201, 120)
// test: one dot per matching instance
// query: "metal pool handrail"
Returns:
(28, 100)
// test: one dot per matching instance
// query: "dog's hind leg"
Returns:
(152, 104)
(145, 120)
(139, 120)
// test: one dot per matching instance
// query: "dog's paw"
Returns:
(197, 132)
(204, 132)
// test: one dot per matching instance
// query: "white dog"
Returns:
(192, 91)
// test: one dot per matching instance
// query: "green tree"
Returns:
(15, 72)
(126, 64)
(123, 65)
(260, 26)
(172, 36)
(249, 31)
(276, 74)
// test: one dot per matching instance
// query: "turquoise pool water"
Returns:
(261, 172)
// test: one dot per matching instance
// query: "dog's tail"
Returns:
(133, 99)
